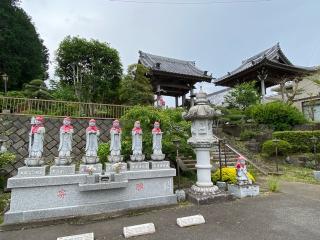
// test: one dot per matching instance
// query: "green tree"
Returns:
(91, 67)
(36, 89)
(135, 87)
(23, 56)
(242, 96)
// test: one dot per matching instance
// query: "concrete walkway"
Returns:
(292, 214)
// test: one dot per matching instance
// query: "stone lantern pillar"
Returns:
(202, 139)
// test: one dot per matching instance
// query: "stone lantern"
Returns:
(202, 139)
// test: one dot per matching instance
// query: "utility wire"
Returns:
(190, 3)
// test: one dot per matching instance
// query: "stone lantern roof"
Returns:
(201, 109)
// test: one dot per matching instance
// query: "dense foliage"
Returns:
(23, 56)
(91, 67)
(269, 148)
(5, 158)
(229, 175)
(300, 140)
(135, 87)
(172, 124)
(242, 96)
(277, 115)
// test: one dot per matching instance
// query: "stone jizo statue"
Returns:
(92, 137)
(115, 136)
(157, 142)
(242, 173)
(36, 139)
(137, 143)
(65, 145)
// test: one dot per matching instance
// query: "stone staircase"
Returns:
(228, 157)
(187, 163)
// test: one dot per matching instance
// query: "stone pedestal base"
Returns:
(137, 166)
(63, 170)
(110, 167)
(33, 162)
(90, 160)
(206, 195)
(32, 171)
(158, 157)
(96, 168)
(316, 175)
(222, 186)
(119, 177)
(159, 164)
(62, 160)
(137, 157)
(115, 159)
(241, 191)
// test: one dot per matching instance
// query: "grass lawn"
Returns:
(297, 174)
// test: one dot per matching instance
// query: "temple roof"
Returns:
(173, 66)
(273, 58)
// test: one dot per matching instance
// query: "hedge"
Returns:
(299, 140)
(229, 175)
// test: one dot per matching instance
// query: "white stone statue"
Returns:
(137, 143)
(36, 138)
(92, 137)
(66, 131)
(242, 173)
(115, 137)
(157, 142)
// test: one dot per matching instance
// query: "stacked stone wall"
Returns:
(16, 128)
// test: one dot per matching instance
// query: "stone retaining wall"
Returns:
(17, 127)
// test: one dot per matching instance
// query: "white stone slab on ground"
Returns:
(138, 230)
(190, 221)
(85, 236)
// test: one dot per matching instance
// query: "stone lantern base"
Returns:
(207, 195)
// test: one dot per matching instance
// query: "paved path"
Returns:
(293, 214)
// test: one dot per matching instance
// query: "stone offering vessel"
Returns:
(65, 145)
(137, 143)
(92, 138)
(36, 139)
(157, 143)
(115, 145)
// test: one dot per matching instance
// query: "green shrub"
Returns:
(269, 148)
(229, 175)
(103, 152)
(6, 158)
(300, 140)
(273, 184)
(247, 135)
(277, 115)
(172, 125)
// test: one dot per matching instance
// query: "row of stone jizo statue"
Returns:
(37, 135)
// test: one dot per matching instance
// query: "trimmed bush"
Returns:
(103, 152)
(299, 140)
(247, 135)
(269, 148)
(229, 175)
(277, 115)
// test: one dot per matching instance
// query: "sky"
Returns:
(217, 35)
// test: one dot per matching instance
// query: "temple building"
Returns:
(268, 68)
(173, 77)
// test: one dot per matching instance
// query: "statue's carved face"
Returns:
(116, 124)
(37, 122)
(137, 124)
(66, 122)
(92, 123)
(156, 125)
